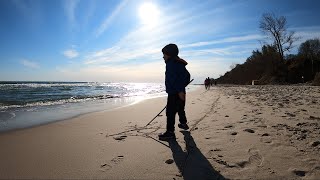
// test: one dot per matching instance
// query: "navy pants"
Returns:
(175, 105)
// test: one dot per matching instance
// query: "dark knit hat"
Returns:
(171, 50)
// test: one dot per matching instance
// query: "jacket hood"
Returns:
(177, 59)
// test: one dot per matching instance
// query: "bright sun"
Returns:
(149, 14)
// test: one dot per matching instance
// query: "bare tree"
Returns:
(276, 28)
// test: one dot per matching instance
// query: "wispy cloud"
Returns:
(234, 50)
(71, 53)
(108, 20)
(146, 43)
(149, 48)
(70, 7)
(30, 64)
(89, 13)
(306, 33)
(235, 39)
(123, 54)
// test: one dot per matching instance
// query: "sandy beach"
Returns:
(236, 132)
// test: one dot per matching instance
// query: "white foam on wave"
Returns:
(13, 115)
(114, 90)
(57, 102)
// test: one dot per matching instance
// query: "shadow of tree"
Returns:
(192, 164)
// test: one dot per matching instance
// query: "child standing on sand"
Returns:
(176, 79)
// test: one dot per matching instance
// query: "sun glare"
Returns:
(149, 14)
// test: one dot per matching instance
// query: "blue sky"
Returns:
(119, 40)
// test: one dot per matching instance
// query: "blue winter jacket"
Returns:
(176, 76)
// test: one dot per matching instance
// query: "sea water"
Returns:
(26, 104)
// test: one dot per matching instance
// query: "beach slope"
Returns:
(236, 132)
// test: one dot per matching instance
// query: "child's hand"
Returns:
(182, 96)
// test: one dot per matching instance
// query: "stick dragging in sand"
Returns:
(161, 110)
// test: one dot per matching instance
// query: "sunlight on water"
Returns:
(25, 104)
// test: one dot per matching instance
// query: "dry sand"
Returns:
(237, 132)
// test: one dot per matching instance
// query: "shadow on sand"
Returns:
(192, 164)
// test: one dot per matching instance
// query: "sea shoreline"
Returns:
(77, 116)
(56, 113)
(81, 113)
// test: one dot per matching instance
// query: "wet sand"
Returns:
(236, 132)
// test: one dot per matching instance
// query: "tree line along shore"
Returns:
(270, 64)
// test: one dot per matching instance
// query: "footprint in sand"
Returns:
(255, 157)
(169, 161)
(249, 130)
(217, 158)
(120, 138)
(299, 173)
(242, 164)
(234, 133)
(262, 126)
(290, 114)
(315, 143)
(105, 167)
(266, 138)
(314, 118)
(114, 161)
(228, 126)
(117, 159)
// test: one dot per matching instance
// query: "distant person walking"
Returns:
(207, 83)
(176, 79)
(211, 82)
